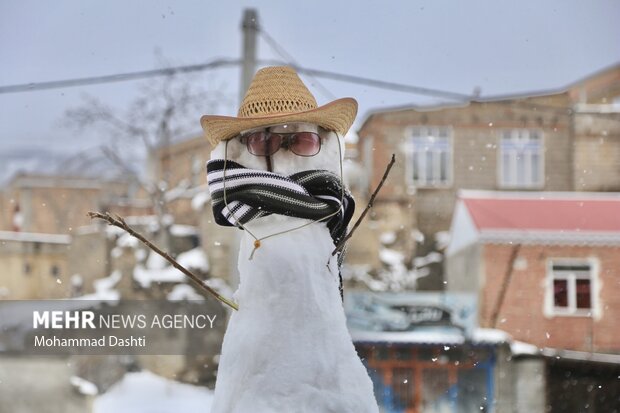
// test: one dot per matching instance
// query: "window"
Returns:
(521, 160)
(55, 271)
(431, 156)
(571, 289)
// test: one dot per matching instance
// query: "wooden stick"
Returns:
(370, 202)
(120, 223)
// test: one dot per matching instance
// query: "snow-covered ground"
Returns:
(145, 392)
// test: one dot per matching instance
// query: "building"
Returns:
(556, 140)
(545, 267)
(34, 266)
(425, 353)
(182, 166)
(55, 204)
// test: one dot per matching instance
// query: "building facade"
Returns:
(557, 140)
(545, 267)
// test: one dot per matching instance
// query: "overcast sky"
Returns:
(499, 46)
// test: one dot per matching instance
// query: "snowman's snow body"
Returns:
(287, 349)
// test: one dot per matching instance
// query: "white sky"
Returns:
(500, 46)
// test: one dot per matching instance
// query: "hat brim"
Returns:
(337, 116)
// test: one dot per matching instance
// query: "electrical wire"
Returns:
(290, 61)
(119, 77)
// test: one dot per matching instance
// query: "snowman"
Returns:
(276, 174)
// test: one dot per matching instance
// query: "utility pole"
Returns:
(249, 26)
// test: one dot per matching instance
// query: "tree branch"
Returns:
(120, 223)
(343, 241)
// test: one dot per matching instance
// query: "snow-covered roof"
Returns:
(433, 335)
(412, 337)
(581, 356)
(559, 218)
(52, 181)
(35, 237)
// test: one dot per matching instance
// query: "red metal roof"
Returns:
(545, 211)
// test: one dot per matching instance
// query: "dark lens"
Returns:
(305, 143)
(262, 144)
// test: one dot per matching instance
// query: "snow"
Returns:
(220, 286)
(18, 220)
(397, 277)
(141, 220)
(361, 274)
(182, 292)
(84, 386)
(157, 269)
(146, 276)
(104, 288)
(387, 238)
(127, 241)
(183, 230)
(432, 257)
(110, 230)
(140, 254)
(419, 337)
(194, 258)
(418, 236)
(391, 257)
(35, 237)
(156, 261)
(76, 280)
(200, 200)
(442, 335)
(288, 349)
(521, 348)
(145, 392)
(116, 252)
(490, 335)
(442, 240)
(291, 323)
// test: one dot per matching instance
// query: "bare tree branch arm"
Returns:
(370, 202)
(120, 223)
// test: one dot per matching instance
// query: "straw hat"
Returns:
(277, 95)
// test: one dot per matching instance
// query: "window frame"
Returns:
(501, 181)
(571, 310)
(409, 169)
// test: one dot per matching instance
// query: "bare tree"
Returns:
(164, 109)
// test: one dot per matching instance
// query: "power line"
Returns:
(275, 46)
(120, 77)
(459, 97)
(381, 84)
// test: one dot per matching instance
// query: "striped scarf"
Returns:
(252, 193)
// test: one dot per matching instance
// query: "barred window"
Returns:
(521, 159)
(431, 156)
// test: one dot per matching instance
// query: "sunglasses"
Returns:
(265, 143)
